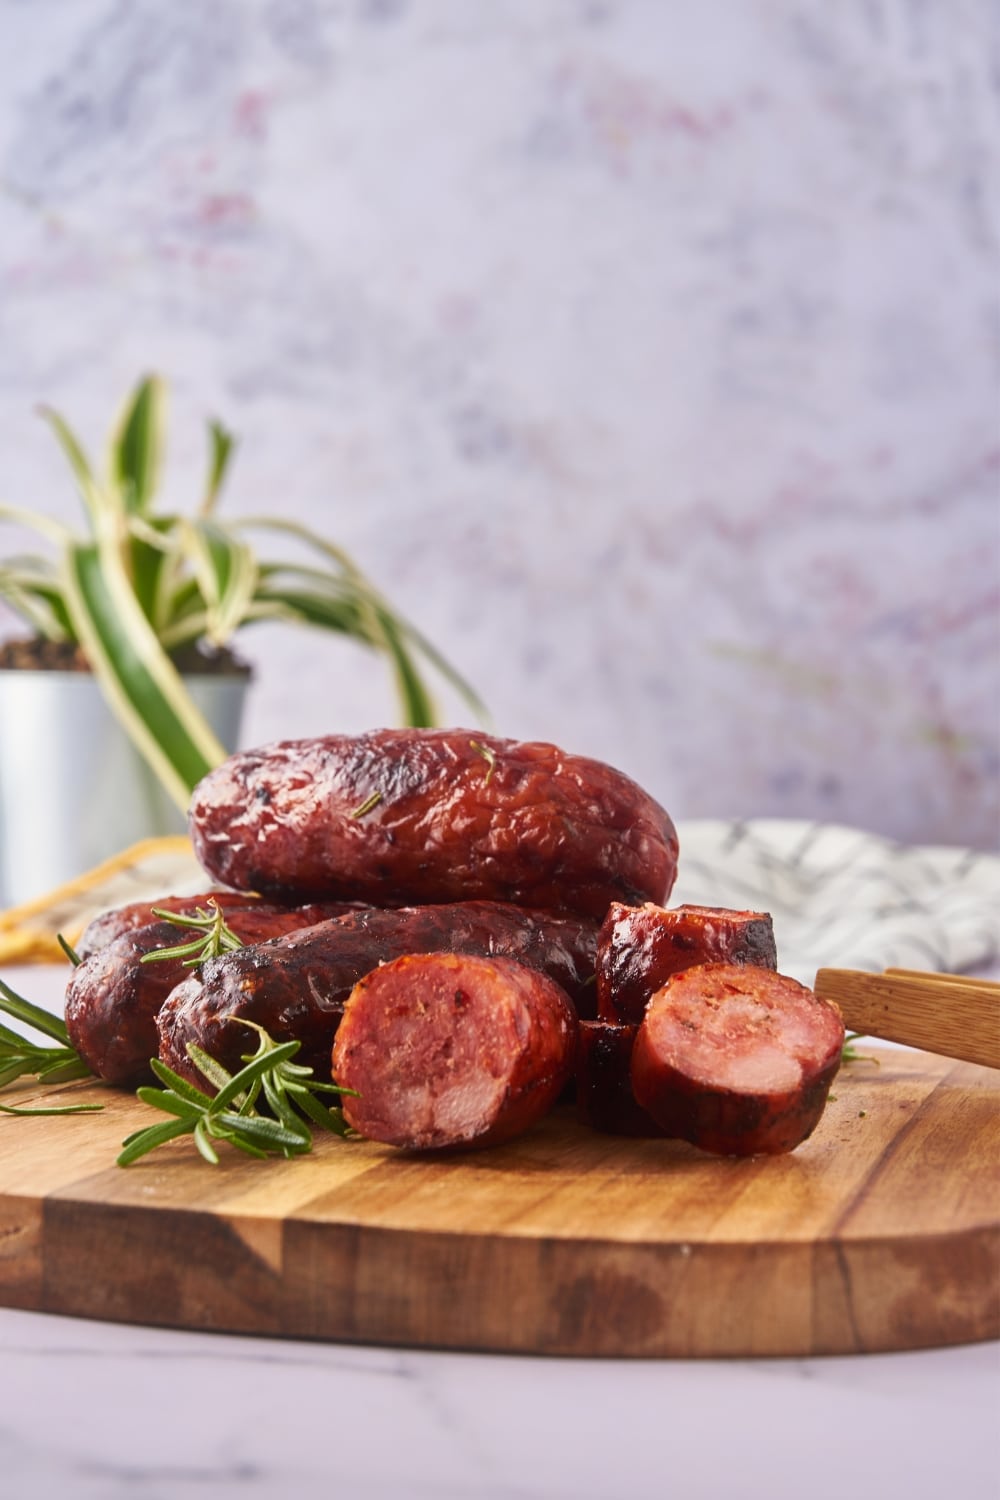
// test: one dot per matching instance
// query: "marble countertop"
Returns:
(96, 1411)
(92, 1411)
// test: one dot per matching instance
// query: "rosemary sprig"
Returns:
(367, 805)
(69, 951)
(214, 937)
(289, 1090)
(851, 1054)
(21, 1058)
(488, 755)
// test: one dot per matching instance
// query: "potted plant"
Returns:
(132, 623)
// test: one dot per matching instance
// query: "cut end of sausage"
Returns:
(736, 1059)
(447, 1050)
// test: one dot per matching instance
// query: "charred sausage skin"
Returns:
(296, 987)
(433, 816)
(113, 998)
(111, 924)
(604, 1097)
(447, 1050)
(639, 947)
(736, 1059)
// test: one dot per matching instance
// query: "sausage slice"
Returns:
(449, 1050)
(735, 1059)
(604, 1097)
(639, 947)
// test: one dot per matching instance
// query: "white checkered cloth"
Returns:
(841, 898)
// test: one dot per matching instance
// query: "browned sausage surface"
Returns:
(113, 998)
(111, 924)
(639, 947)
(296, 987)
(450, 1050)
(604, 1097)
(736, 1059)
(432, 816)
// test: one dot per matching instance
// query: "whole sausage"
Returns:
(736, 1059)
(296, 987)
(111, 924)
(431, 816)
(449, 1050)
(113, 998)
(604, 1097)
(639, 947)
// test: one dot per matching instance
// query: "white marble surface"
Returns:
(98, 1412)
(647, 353)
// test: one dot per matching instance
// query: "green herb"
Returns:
(489, 756)
(367, 805)
(64, 1109)
(851, 1054)
(69, 951)
(214, 936)
(289, 1090)
(20, 1058)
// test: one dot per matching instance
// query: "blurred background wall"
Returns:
(647, 353)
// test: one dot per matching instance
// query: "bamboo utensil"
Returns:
(949, 1014)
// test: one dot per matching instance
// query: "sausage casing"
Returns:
(428, 816)
(113, 998)
(296, 987)
(639, 947)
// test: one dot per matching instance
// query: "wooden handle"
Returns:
(944, 1013)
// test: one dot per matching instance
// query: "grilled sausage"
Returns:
(113, 998)
(450, 1050)
(296, 987)
(408, 815)
(639, 947)
(736, 1059)
(111, 924)
(604, 1097)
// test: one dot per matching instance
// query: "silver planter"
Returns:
(73, 790)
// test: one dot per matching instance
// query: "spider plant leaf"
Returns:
(90, 491)
(53, 531)
(225, 570)
(221, 445)
(35, 602)
(137, 446)
(134, 672)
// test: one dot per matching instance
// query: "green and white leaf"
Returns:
(135, 673)
(137, 446)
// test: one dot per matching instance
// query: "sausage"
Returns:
(639, 947)
(736, 1059)
(111, 924)
(296, 987)
(449, 1050)
(113, 998)
(604, 1097)
(400, 816)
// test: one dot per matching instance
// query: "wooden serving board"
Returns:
(881, 1232)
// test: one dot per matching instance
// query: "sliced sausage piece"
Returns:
(604, 1097)
(447, 1050)
(639, 947)
(113, 998)
(296, 987)
(736, 1059)
(406, 816)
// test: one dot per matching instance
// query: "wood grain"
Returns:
(880, 1232)
(944, 1013)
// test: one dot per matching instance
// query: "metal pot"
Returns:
(73, 790)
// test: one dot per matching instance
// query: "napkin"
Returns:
(843, 898)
